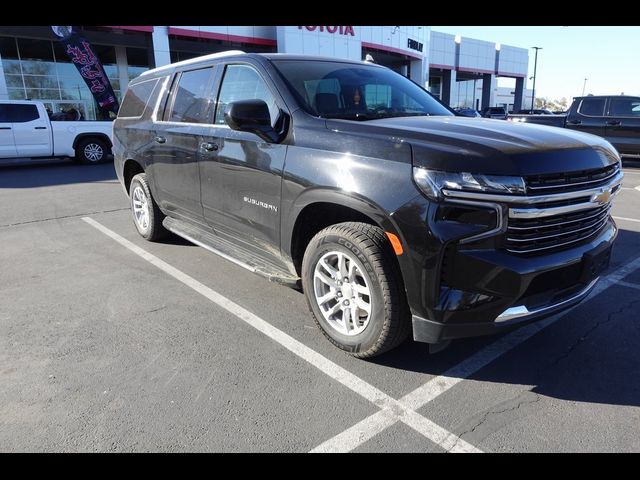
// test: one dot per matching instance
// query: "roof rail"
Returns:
(211, 56)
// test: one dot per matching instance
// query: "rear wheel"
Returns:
(354, 289)
(92, 151)
(147, 217)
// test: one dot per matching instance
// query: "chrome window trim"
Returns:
(161, 94)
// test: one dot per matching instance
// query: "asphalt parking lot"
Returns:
(111, 343)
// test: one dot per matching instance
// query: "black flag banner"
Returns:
(89, 66)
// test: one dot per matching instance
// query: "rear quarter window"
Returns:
(137, 98)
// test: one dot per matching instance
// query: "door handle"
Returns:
(161, 139)
(209, 147)
(5, 128)
(39, 128)
(574, 122)
(613, 123)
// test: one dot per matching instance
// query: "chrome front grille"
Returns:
(559, 210)
(554, 232)
(568, 181)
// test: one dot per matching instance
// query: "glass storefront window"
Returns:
(435, 86)
(41, 70)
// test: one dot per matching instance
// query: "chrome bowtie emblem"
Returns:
(602, 197)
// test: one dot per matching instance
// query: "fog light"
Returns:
(452, 299)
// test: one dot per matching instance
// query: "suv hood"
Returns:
(487, 146)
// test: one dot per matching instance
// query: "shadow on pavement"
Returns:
(58, 173)
(589, 355)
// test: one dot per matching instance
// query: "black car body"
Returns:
(525, 233)
(535, 111)
(614, 117)
(497, 113)
(467, 112)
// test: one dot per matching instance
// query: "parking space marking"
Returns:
(390, 406)
(456, 374)
(629, 284)
(627, 219)
(360, 433)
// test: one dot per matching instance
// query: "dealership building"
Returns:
(461, 71)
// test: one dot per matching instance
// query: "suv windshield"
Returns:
(356, 92)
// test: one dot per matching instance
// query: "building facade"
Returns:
(34, 65)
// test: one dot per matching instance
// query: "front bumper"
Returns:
(497, 291)
(428, 331)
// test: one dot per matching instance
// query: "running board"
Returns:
(229, 251)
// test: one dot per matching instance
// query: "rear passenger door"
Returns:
(7, 144)
(589, 117)
(176, 143)
(623, 124)
(241, 198)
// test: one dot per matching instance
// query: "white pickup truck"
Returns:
(27, 132)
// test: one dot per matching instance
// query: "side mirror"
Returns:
(251, 116)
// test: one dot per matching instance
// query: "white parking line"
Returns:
(627, 219)
(352, 438)
(393, 409)
(629, 284)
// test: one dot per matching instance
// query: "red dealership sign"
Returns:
(333, 29)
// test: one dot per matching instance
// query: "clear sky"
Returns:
(609, 57)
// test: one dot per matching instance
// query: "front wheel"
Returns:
(354, 289)
(147, 217)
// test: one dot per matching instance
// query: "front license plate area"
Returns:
(595, 262)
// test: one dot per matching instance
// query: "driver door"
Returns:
(241, 179)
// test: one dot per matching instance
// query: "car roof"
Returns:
(204, 59)
(605, 96)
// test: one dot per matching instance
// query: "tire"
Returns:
(91, 151)
(147, 217)
(386, 324)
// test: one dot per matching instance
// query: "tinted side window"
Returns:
(4, 113)
(593, 107)
(625, 107)
(242, 82)
(192, 101)
(136, 99)
(18, 113)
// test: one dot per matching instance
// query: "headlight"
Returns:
(432, 182)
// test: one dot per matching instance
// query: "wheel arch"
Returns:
(85, 136)
(320, 208)
(130, 169)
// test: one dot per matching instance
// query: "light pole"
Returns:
(535, 66)
(584, 85)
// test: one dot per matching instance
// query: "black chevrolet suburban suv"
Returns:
(352, 183)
